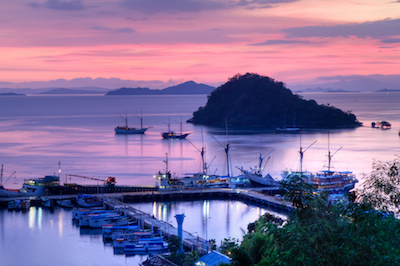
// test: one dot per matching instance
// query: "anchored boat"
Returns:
(130, 130)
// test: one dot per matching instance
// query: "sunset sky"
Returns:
(206, 41)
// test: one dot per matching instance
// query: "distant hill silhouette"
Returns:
(11, 94)
(189, 87)
(70, 91)
(254, 100)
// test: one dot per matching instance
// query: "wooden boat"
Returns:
(88, 201)
(150, 246)
(48, 203)
(65, 203)
(130, 130)
(173, 135)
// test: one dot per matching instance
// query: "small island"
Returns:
(189, 87)
(11, 94)
(254, 100)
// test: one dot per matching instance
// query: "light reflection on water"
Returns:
(217, 219)
(38, 132)
(46, 237)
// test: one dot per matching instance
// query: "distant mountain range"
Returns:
(353, 83)
(189, 87)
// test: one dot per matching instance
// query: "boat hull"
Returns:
(129, 130)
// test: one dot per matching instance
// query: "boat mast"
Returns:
(302, 155)
(1, 176)
(330, 156)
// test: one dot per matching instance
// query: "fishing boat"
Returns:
(25, 204)
(65, 203)
(48, 203)
(166, 181)
(173, 135)
(130, 130)
(150, 246)
(89, 201)
(288, 130)
(255, 175)
(108, 186)
(337, 183)
(11, 205)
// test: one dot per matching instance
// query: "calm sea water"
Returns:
(38, 132)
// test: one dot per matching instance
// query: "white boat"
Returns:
(334, 182)
(151, 246)
(255, 175)
(110, 231)
(31, 187)
(288, 130)
(89, 201)
(65, 203)
(166, 181)
(130, 130)
(114, 219)
(77, 214)
(85, 220)
(123, 241)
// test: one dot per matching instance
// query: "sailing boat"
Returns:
(255, 175)
(335, 182)
(191, 181)
(305, 175)
(172, 135)
(130, 130)
(285, 129)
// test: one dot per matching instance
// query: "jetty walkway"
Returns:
(146, 221)
(259, 196)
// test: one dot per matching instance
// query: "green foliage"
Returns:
(254, 100)
(174, 244)
(323, 234)
(381, 189)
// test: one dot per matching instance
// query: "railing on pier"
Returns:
(147, 221)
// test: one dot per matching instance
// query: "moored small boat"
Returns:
(48, 203)
(130, 130)
(150, 246)
(88, 201)
(65, 203)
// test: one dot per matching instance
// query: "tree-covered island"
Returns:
(254, 100)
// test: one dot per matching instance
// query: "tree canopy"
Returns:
(321, 232)
(254, 100)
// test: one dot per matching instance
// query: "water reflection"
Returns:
(217, 219)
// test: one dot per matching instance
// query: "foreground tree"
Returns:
(381, 189)
(319, 232)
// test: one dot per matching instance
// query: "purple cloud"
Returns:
(391, 40)
(176, 6)
(272, 42)
(124, 30)
(60, 5)
(374, 29)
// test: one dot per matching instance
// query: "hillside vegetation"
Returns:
(254, 100)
